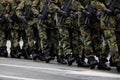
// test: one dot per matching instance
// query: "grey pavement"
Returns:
(20, 69)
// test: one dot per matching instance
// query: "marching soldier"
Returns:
(3, 27)
(25, 15)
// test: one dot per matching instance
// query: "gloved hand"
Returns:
(118, 18)
(40, 16)
(75, 15)
(1, 20)
(24, 20)
(10, 21)
(98, 14)
(108, 11)
(63, 13)
(87, 13)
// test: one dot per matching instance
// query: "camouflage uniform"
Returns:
(98, 39)
(86, 33)
(13, 28)
(75, 36)
(24, 13)
(115, 58)
(64, 48)
(41, 35)
(5, 13)
(109, 35)
(52, 30)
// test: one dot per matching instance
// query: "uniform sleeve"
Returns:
(19, 14)
(19, 8)
(98, 5)
(21, 5)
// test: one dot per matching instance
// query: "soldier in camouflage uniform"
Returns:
(97, 39)
(40, 29)
(109, 36)
(75, 37)
(115, 60)
(86, 33)
(25, 15)
(5, 13)
(64, 50)
(13, 29)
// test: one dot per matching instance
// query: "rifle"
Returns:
(89, 13)
(66, 10)
(43, 14)
(111, 8)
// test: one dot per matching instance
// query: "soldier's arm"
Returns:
(98, 5)
(35, 6)
(19, 8)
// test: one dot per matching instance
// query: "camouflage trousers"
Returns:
(76, 43)
(64, 42)
(42, 40)
(29, 38)
(86, 33)
(2, 39)
(111, 45)
(15, 38)
(53, 39)
(111, 39)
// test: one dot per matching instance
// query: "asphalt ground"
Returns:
(21, 69)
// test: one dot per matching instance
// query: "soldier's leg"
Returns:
(25, 49)
(64, 50)
(30, 34)
(111, 42)
(116, 58)
(15, 48)
(86, 33)
(3, 48)
(42, 41)
(98, 42)
(76, 49)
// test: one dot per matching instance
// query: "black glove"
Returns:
(108, 11)
(98, 14)
(10, 21)
(118, 18)
(40, 16)
(24, 20)
(75, 15)
(87, 13)
(1, 20)
(63, 13)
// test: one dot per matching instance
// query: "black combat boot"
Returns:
(13, 53)
(81, 63)
(102, 64)
(112, 64)
(49, 57)
(70, 59)
(18, 52)
(25, 54)
(61, 59)
(34, 54)
(92, 62)
(118, 66)
(3, 52)
(41, 56)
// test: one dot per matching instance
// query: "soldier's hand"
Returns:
(24, 20)
(86, 13)
(108, 11)
(40, 16)
(1, 20)
(118, 18)
(75, 15)
(10, 20)
(63, 13)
